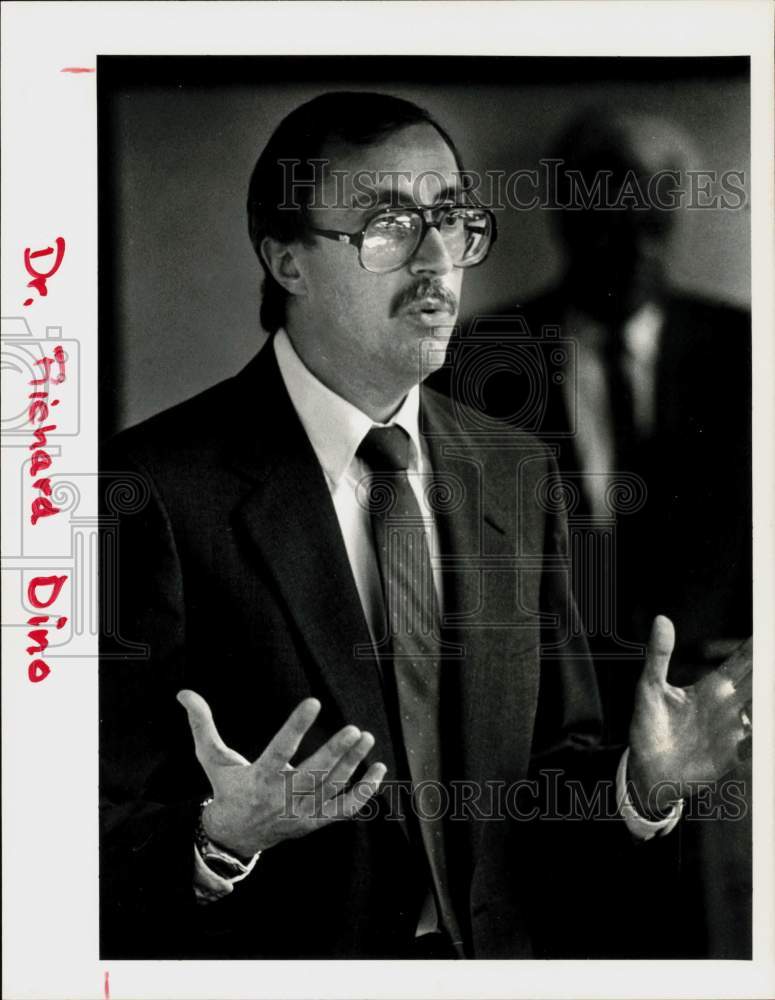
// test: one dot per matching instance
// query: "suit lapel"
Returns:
(290, 520)
(488, 704)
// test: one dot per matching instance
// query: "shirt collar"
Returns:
(334, 426)
(640, 331)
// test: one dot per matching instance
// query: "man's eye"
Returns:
(467, 215)
(456, 216)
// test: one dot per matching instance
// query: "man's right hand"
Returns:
(256, 805)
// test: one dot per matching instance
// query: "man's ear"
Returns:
(283, 263)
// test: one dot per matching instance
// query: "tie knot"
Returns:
(386, 449)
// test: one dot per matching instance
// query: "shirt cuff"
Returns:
(639, 826)
(209, 886)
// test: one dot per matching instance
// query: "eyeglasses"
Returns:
(392, 236)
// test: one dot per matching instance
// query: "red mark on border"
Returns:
(107, 986)
(77, 69)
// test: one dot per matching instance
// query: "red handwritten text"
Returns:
(43, 590)
(41, 593)
(39, 278)
(37, 413)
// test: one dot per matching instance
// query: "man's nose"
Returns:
(432, 256)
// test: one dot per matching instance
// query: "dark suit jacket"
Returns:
(686, 553)
(229, 567)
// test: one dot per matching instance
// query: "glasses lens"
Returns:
(467, 235)
(392, 237)
(389, 240)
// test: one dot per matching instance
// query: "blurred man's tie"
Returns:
(624, 429)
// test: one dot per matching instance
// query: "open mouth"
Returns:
(429, 307)
(430, 315)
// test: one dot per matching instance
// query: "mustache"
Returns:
(425, 288)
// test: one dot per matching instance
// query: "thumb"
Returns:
(658, 651)
(211, 751)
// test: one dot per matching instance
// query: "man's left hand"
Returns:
(682, 736)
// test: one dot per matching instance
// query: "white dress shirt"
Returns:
(336, 429)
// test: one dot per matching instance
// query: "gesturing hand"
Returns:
(256, 805)
(681, 736)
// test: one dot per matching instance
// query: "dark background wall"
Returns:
(179, 284)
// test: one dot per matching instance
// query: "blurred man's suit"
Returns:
(694, 525)
(231, 568)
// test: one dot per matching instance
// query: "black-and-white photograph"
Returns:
(425, 413)
(387, 500)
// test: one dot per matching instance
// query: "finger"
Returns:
(659, 650)
(284, 744)
(325, 757)
(729, 719)
(730, 735)
(740, 662)
(744, 748)
(327, 774)
(744, 688)
(715, 651)
(344, 769)
(210, 749)
(350, 803)
(745, 719)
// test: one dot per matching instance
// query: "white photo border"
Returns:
(49, 187)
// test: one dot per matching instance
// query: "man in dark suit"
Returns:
(333, 567)
(644, 394)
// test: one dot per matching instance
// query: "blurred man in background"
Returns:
(644, 392)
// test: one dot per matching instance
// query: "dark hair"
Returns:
(356, 118)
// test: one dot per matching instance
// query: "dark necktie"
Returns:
(624, 428)
(410, 651)
(634, 546)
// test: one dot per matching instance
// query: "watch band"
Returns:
(217, 858)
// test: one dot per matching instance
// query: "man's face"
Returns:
(617, 258)
(618, 251)
(375, 323)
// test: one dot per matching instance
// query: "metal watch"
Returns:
(217, 858)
